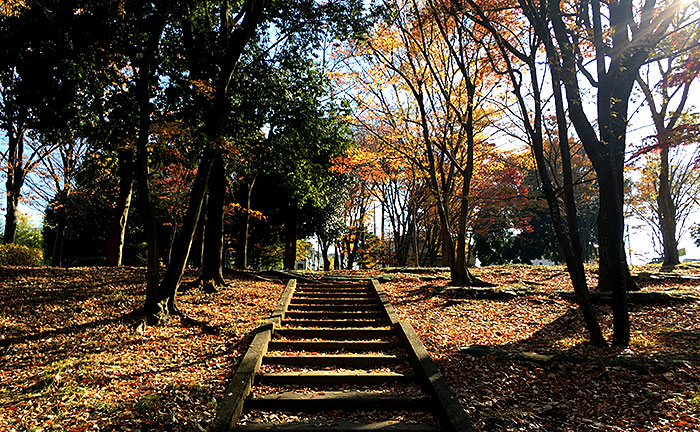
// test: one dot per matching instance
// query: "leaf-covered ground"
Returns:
(70, 360)
(653, 386)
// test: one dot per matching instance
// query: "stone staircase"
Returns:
(336, 357)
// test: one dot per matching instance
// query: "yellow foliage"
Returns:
(11, 7)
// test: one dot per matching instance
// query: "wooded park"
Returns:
(350, 215)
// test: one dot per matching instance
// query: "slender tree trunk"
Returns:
(60, 229)
(415, 235)
(212, 274)
(115, 241)
(290, 237)
(569, 242)
(196, 257)
(464, 277)
(234, 43)
(246, 226)
(143, 96)
(167, 290)
(667, 209)
(15, 180)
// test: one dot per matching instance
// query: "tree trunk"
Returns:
(611, 229)
(15, 180)
(150, 225)
(290, 238)
(60, 229)
(212, 274)
(324, 253)
(115, 241)
(196, 257)
(234, 44)
(246, 227)
(667, 209)
(165, 296)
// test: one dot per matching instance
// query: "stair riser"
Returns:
(334, 323)
(331, 302)
(317, 381)
(333, 308)
(331, 315)
(359, 362)
(329, 346)
(350, 298)
(322, 289)
(335, 334)
(379, 404)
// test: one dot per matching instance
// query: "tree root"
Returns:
(162, 317)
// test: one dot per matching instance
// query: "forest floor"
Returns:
(70, 359)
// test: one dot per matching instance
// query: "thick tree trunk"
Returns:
(326, 261)
(613, 269)
(150, 224)
(115, 241)
(290, 238)
(212, 274)
(667, 210)
(11, 217)
(324, 253)
(337, 264)
(611, 273)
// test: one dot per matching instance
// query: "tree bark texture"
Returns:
(144, 76)
(214, 228)
(57, 252)
(233, 38)
(117, 232)
(667, 210)
(290, 237)
(15, 180)
(245, 232)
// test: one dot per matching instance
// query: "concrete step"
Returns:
(303, 285)
(339, 360)
(325, 346)
(338, 400)
(333, 301)
(334, 322)
(332, 378)
(334, 308)
(304, 288)
(331, 315)
(335, 296)
(334, 334)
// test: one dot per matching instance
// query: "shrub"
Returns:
(20, 255)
